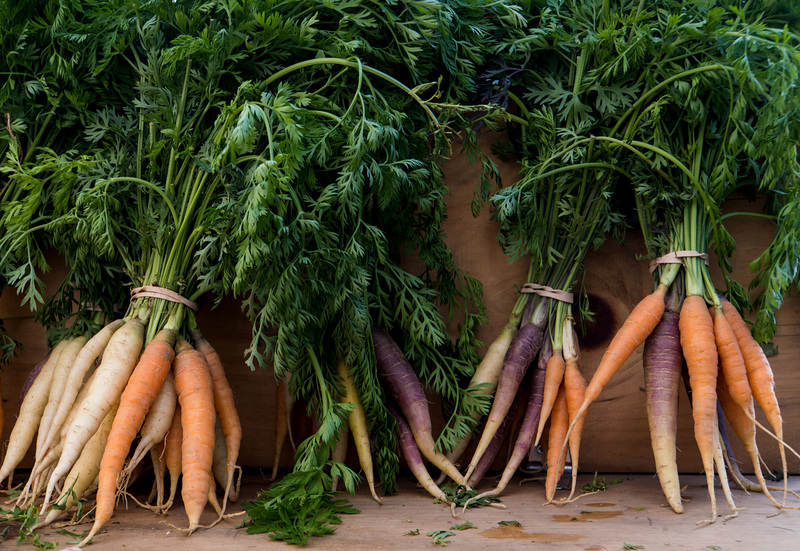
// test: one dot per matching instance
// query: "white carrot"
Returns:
(30, 413)
(60, 374)
(84, 472)
(83, 363)
(119, 359)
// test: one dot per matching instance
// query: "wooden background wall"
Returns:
(616, 434)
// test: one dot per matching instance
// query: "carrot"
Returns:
(574, 389)
(413, 458)
(108, 381)
(31, 377)
(731, 462)
(219, 467)
(700, 351)
(520, 354)
(662, 361)
(358, 426)
(139, 394)
(159, 468)
(742, 424)
(554, 374)
(505, 427)
(84, 472)
(527, 430)
(486, 374)
(57, 386)
(760, 377)
(225, 406)
(155, 427)
(406, 388)
(172, 456)
(195, 388)
(722, 471)
(30, 413)
(83, 363)
(557, 436)
(339, 453)
(637, 326)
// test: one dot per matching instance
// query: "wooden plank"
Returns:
(631, 511)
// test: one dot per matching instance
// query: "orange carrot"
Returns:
(172, 456)
(742, 424)
(553, 375)
(639, 324)
(225, 406)
(731, 361)
(760, 377)
(700, 352)
(143, 386)
(559, 421)
(574, 388)
(195, 389)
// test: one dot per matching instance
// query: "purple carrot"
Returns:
(523, 349)
(527, 429)
(413, 458)
(404, 385)
(663, 361)
(497, 441)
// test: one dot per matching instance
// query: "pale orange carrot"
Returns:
(358, 426)
(574, 389)
(742, 424)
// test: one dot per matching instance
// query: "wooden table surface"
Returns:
(631, 512)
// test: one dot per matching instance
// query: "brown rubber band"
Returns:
(549, 292)
(676, 257)
(162, 293)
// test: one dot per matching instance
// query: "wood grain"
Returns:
(616, 435)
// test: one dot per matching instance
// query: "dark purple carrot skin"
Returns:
(662, 360)
(404, 385)
(408, 446)
(496, 442)
(530, 423)
(411, 453)
(520, 355)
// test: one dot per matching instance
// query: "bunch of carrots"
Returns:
(87, 414)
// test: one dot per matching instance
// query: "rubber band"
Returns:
(549, 292)
(162, 293)
(676, 257)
